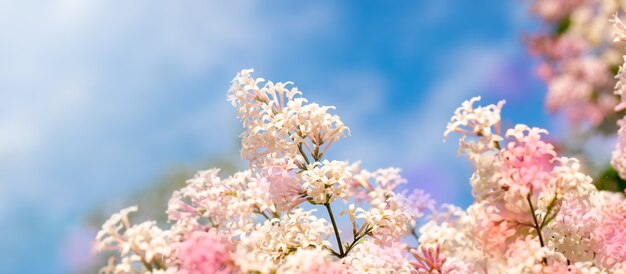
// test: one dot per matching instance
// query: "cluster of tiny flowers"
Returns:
(209, 202)
(205, 252)
(534, 212)
(277, 216)
(578, 59)
(582, 61)
(279, 124)
(482, 122)
(618, 159)
(144, 244)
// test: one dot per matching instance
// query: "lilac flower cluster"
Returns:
(534, 210)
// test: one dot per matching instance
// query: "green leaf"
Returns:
(609, 180)
(563, 26)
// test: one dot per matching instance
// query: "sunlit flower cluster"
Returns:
(277, 216)
(535, 211)
(482, 122)
(209, 202)
(144, 244)
(281, 125)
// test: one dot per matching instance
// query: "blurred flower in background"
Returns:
(102, 99)
(580, 45)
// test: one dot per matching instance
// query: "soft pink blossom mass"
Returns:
(205, 252)
(535, 209)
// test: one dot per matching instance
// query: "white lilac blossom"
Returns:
(369, 257)
(269, 243)
(326, 181)
(481, 122)
(144, 244)
(280, 124)
(311, 261)
(228, 204)
(388, 222)
(372, 186)
(255, 220)
(534, 210)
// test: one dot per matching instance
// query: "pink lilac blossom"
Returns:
(286, 190)
(490, 229)
(526, 160)
(429, 260)
(575, 88)
(534, 211)
(620, 86)
(553, 10)
(419, 201)
(206, 252)
(611, 232)
(618, 159)
(537, 210)
(577, 57)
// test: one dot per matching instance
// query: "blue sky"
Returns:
(100, 98)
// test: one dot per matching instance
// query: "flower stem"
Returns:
(356, 240)
(263, 214)
(306, 159)
(332, 219)
(414, 233)
(497, 144)
(536, 226)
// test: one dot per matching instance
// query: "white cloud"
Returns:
(75, 68)
(94, 98)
